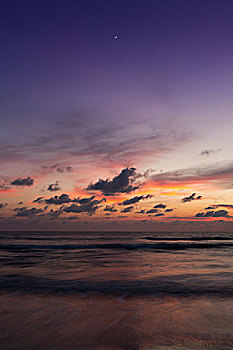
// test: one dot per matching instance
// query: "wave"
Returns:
(54, 238)
(104, 238)
(205, 238)
(112, 246)
(176, 285)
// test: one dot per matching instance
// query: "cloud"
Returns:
(54, 187)
(217, 173)
(37, 200)
(190, 198)
(60, 168)
(141, 211)
(127, 209)
(160, 206)
(3, 205)
(89, 207)
(152, 211)
(209, 152)
(58, 200)
(122, 183)
(84, 200)
(65, 199)
(169, 210)
(76, 138)
(4, 186)
(110, 208)
(159, 214)
(218, 213)
(24, 212)
(66, 168)
(228, 206)
(135, 199)
(27, 181)
(53, 214)
(117, 142)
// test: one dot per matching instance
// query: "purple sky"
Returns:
(157, 97)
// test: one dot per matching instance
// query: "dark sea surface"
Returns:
(116, 290)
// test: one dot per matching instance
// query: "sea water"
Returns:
(116, 290)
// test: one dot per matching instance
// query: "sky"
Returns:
(116, 115)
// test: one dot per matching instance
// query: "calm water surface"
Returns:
(69, 290)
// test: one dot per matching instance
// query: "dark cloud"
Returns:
(214, 206)
(27, 181)
(3, 205)
(38, 200)
(218, 213)
(152, 211)
(135, 199)
(65, 199)
(127, 210)
(58, 200)
(89, 207)
(84, 200)
(53, 214)
(122, 183)
(4, 186)
(190, 198)
(198, 215)
(221, 213)
(110, 208)
(54, 187)
(169, 210)
(159, 214)
(160, 206)
(24, 212)
(209, 152)
(141, 211)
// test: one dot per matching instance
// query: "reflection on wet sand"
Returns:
(96, 322)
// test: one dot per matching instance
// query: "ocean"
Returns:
(116, 290)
